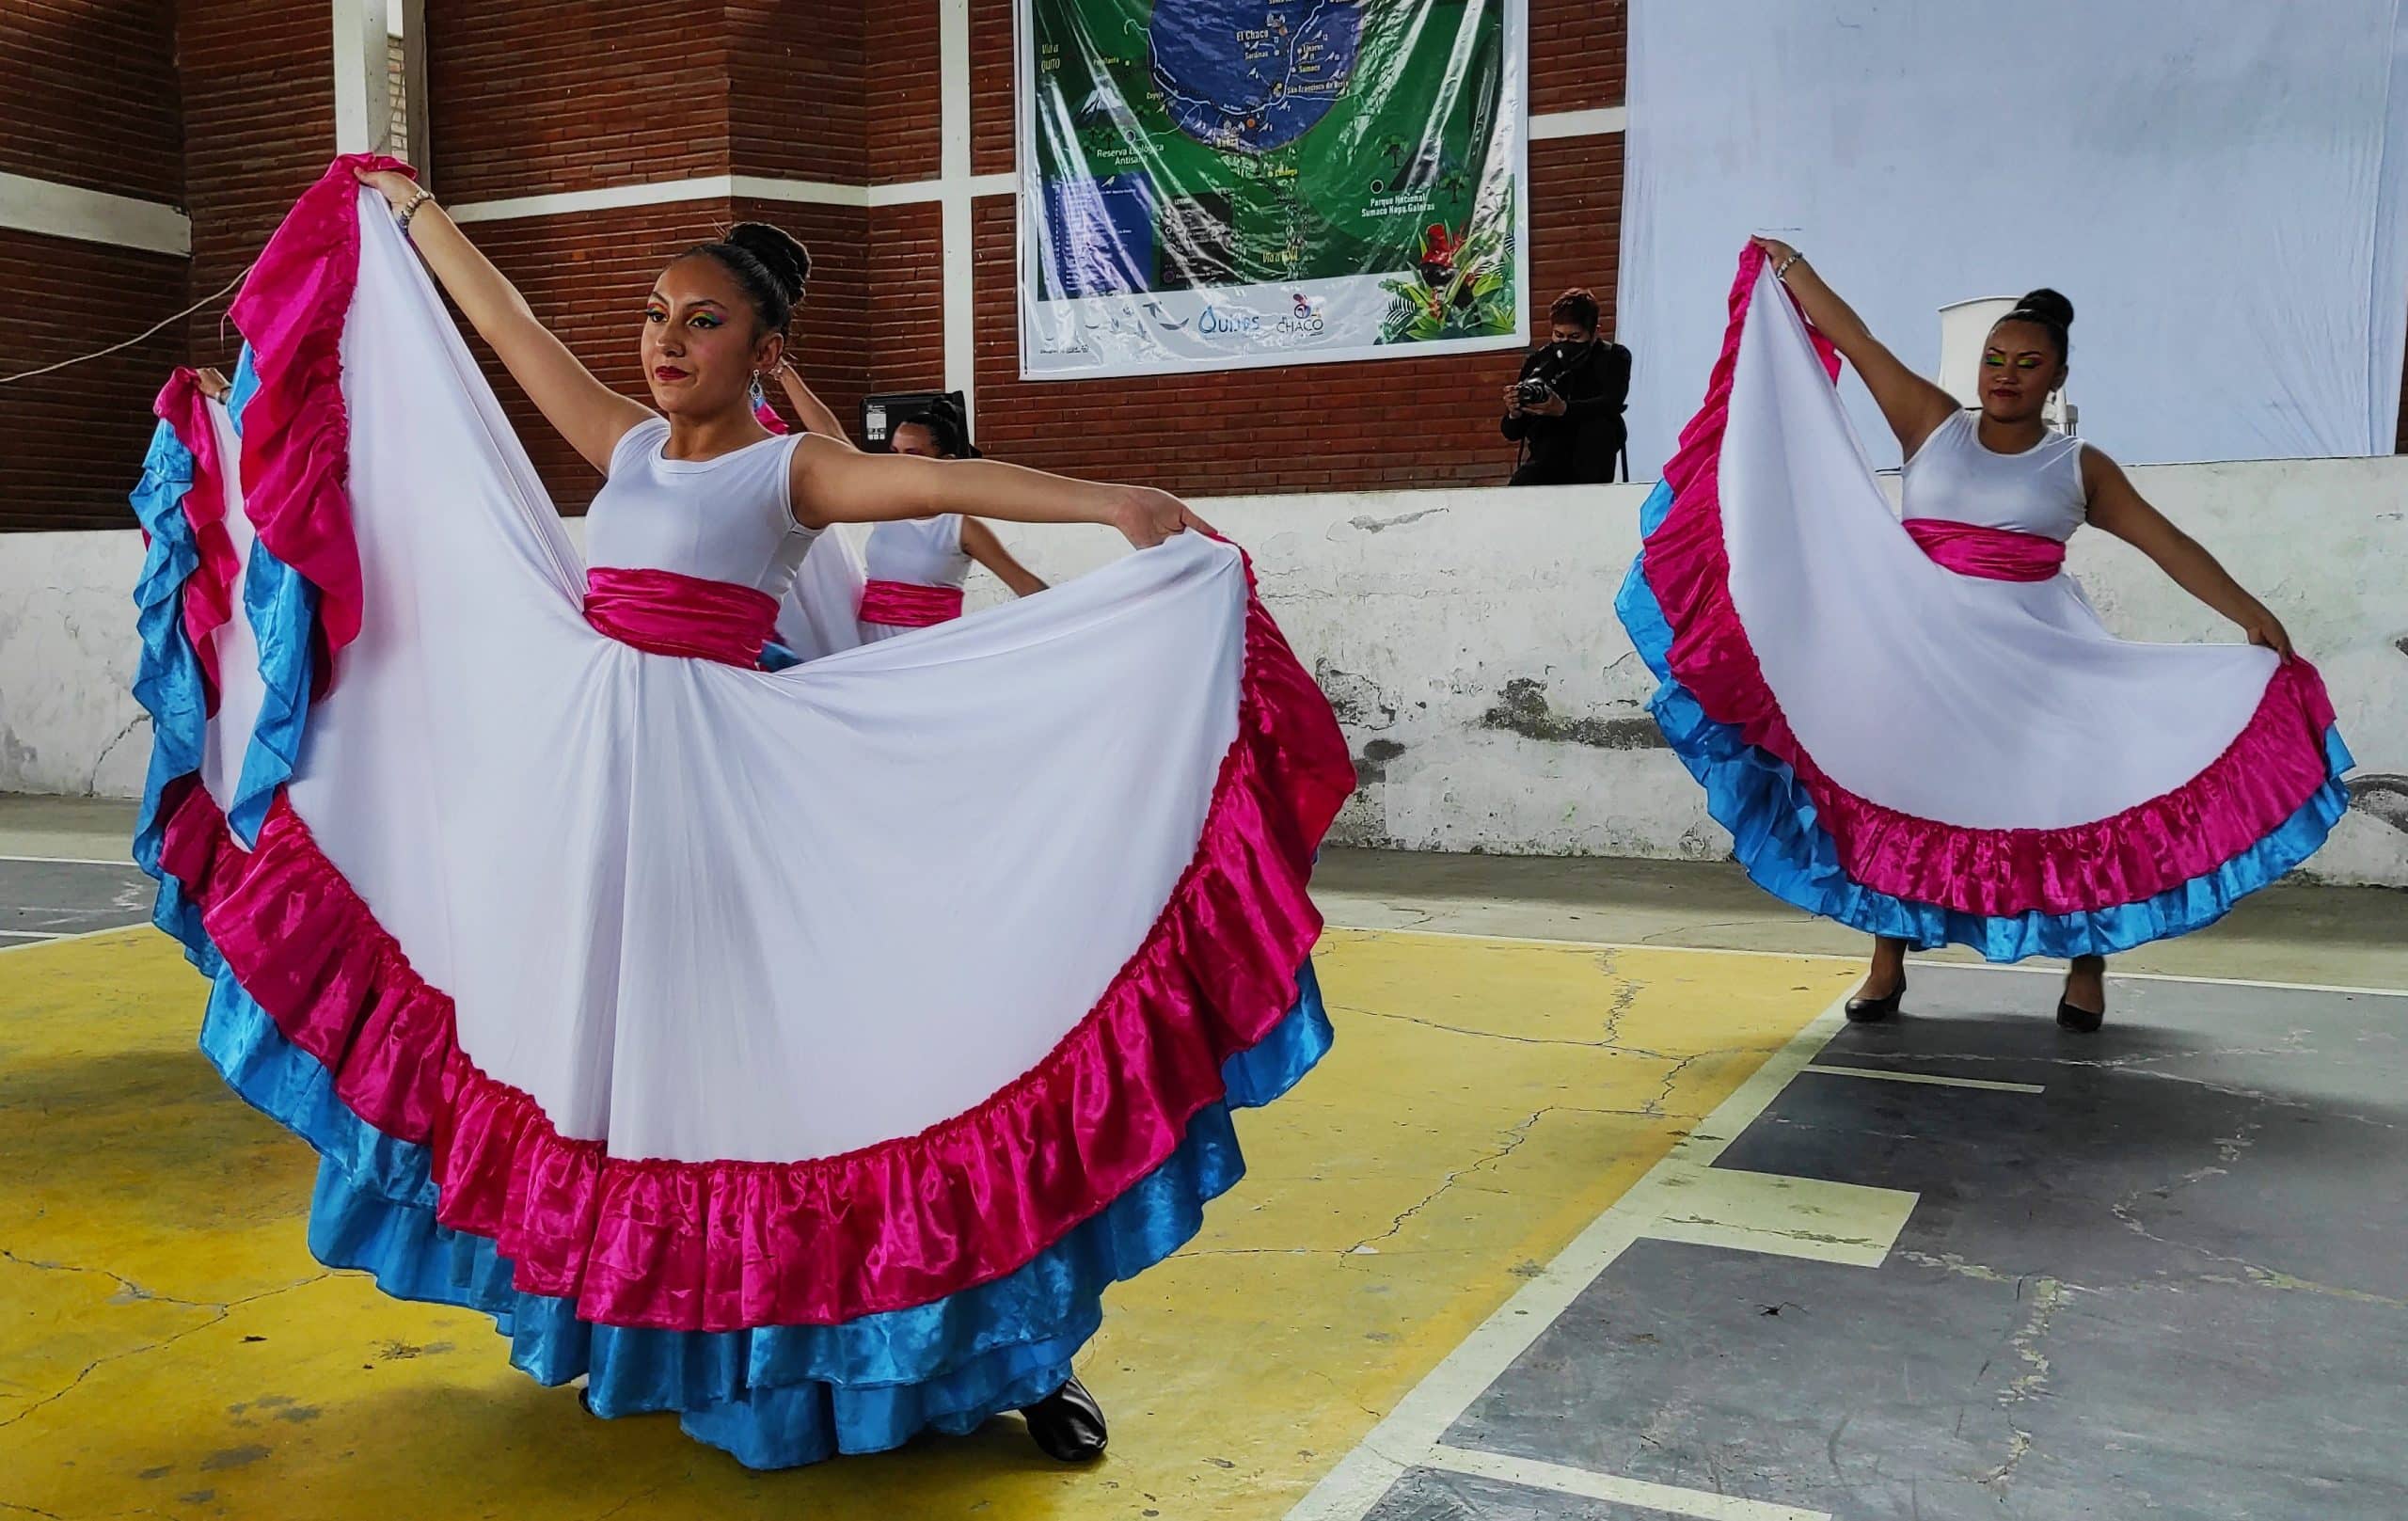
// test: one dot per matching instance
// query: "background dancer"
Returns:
(1923, 730)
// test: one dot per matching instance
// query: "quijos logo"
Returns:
(1302, 318)
(1225, 319)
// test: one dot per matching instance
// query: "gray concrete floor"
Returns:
(2167, 1284)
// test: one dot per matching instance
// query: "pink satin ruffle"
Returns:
(208, 592)
(729, 1245)
(1991, 554)
(906, 605)
(296, 455)
(2271, 769)
(666, 613)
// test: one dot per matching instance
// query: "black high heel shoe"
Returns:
(2082, 1021)
(1875, 1010)
(1068, 1424)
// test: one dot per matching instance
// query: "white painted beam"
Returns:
(57, 211)
(363, 85)
(1594, 123)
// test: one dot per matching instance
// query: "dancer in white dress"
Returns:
(1921, 728)
(916, 569)
(591, 955)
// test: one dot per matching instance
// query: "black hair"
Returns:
(768, 264)
(948, 428)
(2049, 312)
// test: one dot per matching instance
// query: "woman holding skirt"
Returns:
(595, 959)
(1921, 728)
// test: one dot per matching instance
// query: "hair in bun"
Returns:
(2046, 309)
(769, 263)
(948, 428)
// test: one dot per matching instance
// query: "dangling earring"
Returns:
(760, 398)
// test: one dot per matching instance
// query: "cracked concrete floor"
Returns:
(2165, 1283)
(168, 1347)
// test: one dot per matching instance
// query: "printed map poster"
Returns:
(1212, 185)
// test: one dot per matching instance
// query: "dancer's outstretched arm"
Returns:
(590, 415)
(2121, 510)
(833, 482)
(819, 418)
(979, 543)
(1913, 405)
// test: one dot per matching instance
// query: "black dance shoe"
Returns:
(2085, 1021)
(1068, 1424)
(1874, 1010)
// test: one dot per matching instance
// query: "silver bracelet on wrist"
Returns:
(1780, 271)
(410, 210)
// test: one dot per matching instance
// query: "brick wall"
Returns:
(88, 97)
(796, 76)
(70, 443)
(906, 289)
(901, 93)
(990, 86)
(258, 100)
(526, 97)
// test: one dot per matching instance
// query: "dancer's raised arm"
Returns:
(1913, 405)
(835, 484)
(590, 415)
(818, 417)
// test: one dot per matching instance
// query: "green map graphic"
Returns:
(1207, 143)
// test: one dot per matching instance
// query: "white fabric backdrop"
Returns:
(2218, 185)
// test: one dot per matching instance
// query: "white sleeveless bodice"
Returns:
(925, 551)
(724, 520)
(1956, 478)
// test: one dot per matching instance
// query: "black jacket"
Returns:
(1578, 448)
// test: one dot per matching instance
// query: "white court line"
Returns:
(1671, 1499)
(1829, 956)
(1410, 1434)
(70, 861)
(1935, 1079)
(27, 934)
(1813, 1219)
(61, 940)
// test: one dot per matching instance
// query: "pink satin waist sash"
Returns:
(908, 605)
(1992, 554)
(666, 613)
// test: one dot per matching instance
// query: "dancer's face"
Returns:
(2019, 368)
(915, 438)
(701, 344)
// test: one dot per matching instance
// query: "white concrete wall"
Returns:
(1468, 642)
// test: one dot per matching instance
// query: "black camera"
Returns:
(1532, 392)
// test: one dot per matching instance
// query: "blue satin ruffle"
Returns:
(1777, 838)
(777, 1396)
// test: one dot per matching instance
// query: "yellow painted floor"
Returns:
(169, 1348)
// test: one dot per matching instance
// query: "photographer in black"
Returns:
(1566, 409)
